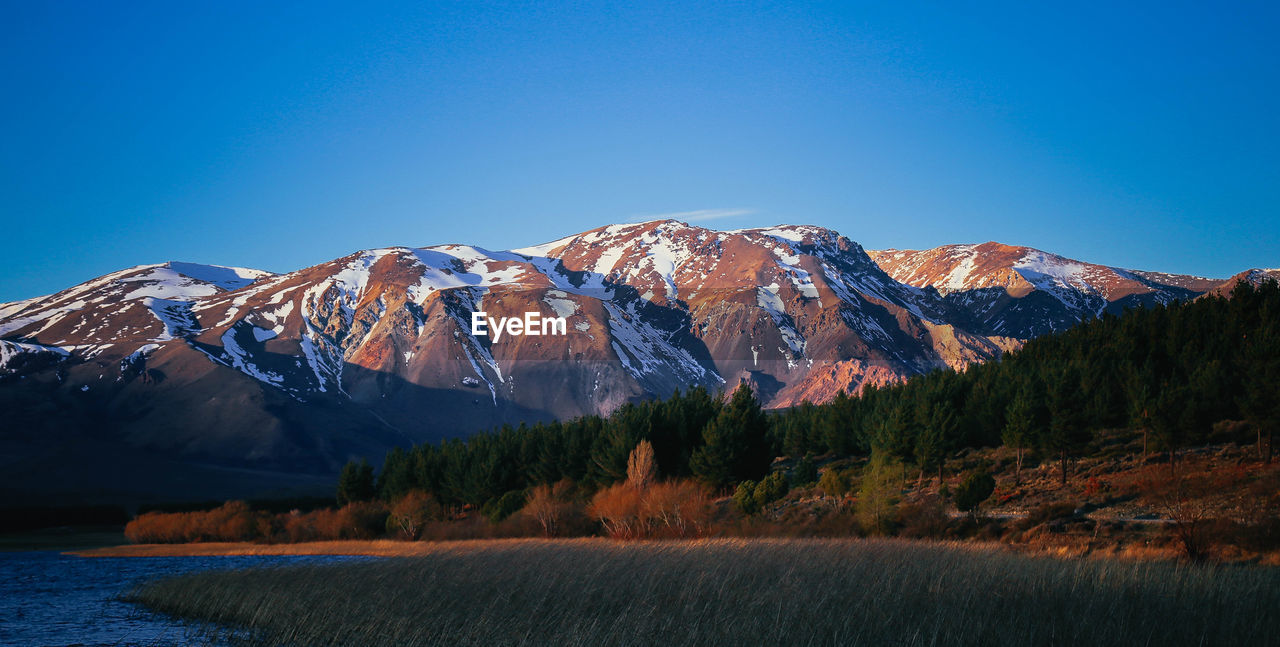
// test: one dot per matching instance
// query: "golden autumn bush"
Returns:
(556, 511)
(666, 509)
(411, 514)
(232, 521)
(235, 521)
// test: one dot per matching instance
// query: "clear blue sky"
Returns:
(1141, 136)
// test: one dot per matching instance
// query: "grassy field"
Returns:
(732, 592)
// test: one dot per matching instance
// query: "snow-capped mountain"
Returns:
(1253, 277)
(183, 373)
(1023, 292)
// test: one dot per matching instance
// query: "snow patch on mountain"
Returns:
(800, 278)
(174, 315)
(225, 278)
(958, 279)
(768, 299)
(164, 283)
(242, 361)
(646, 350)
(263, 334)
(1050, 271)
(10, 351)
(560, 303)
(454, 266)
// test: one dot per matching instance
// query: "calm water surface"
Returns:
(47, 598)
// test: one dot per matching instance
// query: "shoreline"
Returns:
(396, 548)
(351, 547)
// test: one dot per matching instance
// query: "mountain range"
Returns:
(190, 381)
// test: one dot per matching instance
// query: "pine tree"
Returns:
(1067, 432)
(877, 493)
(937, 433)
(1023, 421)
(1142, 390)
(976, 487)
(1260, 392)
(839, 423)
(735, 444)
(627, 426)
(355, 483)
(805, 472)
(396, 478)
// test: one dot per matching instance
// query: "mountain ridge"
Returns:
(293, 373)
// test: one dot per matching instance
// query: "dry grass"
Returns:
(715, 592)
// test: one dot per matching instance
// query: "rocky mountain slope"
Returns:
(214, 381)
(1022, 292)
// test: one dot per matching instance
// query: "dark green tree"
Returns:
(397, 476)
(355, 482)
(1260, 393)
(1142, 388)
(771, 488)
(1024, 420)
(976, 487)
(938, 428)
(1067, 432)
(676, 428)
(499, 508)
(623, 430)
(805, 472)
(744, 498)
(736, 443)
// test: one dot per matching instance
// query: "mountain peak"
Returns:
(378, 347)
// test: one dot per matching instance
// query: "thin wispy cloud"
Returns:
(695, 216)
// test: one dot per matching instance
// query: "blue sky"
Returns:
(1143, 136)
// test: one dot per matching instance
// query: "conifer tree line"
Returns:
(1165, 374)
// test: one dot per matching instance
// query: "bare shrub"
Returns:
(412, 513)
(923, 519)
(617, 508)
(552, 507)
(1184, 500)
(670, 509)
(675, 509)
(299, 527)
(1048, 512)
(232, 521)
(361, 520)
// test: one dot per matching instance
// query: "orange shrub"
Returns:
(362, 520)
(300, 527)
(676, 509)
(617, 508)
(670, 509)
(412, 513)
(232, 521)
(156, 528)
(555, 511)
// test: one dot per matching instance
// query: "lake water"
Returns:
(47, 598)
